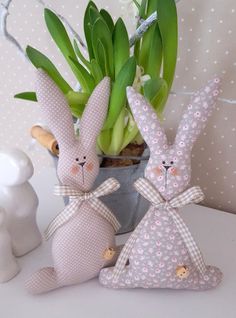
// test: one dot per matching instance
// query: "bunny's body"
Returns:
(161, 251)
(77, 250)
(80, 240)
(19, 199)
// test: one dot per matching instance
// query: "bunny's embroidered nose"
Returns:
(167, 167)
(82, 163)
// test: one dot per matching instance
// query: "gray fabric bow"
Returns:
(76, 199)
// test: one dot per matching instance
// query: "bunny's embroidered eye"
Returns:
(172, 162)
(163, 162)
(84, 157)
(77, 159)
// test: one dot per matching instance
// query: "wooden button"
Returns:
(182, 272)
(109, 253)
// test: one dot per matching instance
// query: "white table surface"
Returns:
(214, 231)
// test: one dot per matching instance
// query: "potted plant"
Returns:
(149, 65)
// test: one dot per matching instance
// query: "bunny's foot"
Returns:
(125, 279)
(42, 281)
(179, 279)
(196, 281)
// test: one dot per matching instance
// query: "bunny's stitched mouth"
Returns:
(81, 164)
(166, 167)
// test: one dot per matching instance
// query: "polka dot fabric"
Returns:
(78, 245)
(159, 253)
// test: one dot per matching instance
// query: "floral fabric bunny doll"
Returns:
(161, 252)
(84, 233)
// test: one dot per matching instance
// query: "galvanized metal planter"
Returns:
(127, 204)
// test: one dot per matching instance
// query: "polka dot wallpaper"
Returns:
(207, 46)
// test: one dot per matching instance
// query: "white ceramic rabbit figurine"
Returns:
(84, 233)
(8, 265)
(162, 252)
(19, 200)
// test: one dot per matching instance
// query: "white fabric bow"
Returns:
(148, 191)
(76, 199)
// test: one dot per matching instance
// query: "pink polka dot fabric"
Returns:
(78, 245)
(159, 257)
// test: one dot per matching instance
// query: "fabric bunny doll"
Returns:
(161, 252)
(84, 233)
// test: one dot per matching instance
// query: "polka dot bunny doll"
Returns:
(84, 233)
(161, 252)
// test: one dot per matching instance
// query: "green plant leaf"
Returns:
(62, 40)
(80, 56)
(142, 10)
(130, 132)
(96, 71)
(88, 28)
(154, 58)
(151, 87)
(104, 140)
(77, 98)
(101, 34)
(59, 34)
(117, 134)
(39, 60)
(151, 49)
(156, 91)
(137, 4)
(77, 102)
(121, 45)
(108, 19)
(77, 110)
(102, 58)
(168, 24)
(31, 96)
(94, 15)
(138, 139)
(85, 79)
(118, 95)
(137, 46)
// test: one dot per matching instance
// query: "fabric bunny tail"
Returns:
(95, 113)
(196, 114)
(147, 120)
(55, 109)
(42, 281)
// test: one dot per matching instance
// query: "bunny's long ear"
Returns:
(55, 110)
(196, 115)
(147, 120)
(95, 113)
